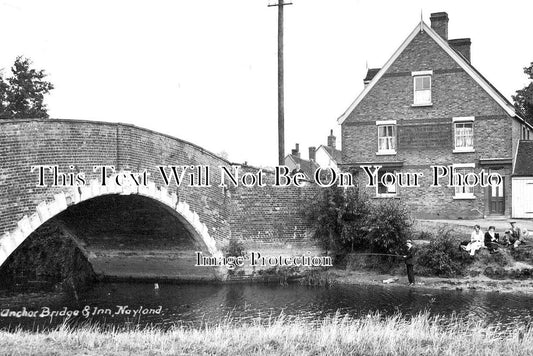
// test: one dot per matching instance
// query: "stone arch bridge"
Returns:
(145, 231)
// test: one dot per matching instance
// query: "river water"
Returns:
(141, 304)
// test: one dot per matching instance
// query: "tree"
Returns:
(523, 100)
(3, 97)
(389, 227)
(345, 220)
(22, 94)
(338, 218)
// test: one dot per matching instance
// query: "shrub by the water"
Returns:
(522, 254)
(345, 220)
(502, 258)
(389, 226)
(443, 256)
(234, 248)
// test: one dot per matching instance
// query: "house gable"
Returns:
(429, 51)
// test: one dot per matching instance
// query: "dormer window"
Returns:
(422, 88)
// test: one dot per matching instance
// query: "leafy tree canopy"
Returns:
(523, 100)
(345, 220)
(22, 94)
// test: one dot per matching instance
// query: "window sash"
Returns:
(464, 135)
(464, 191)
(423, 83)
(386, 138)
(422, 89)
(383, 189)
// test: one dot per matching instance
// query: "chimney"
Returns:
(331, 140)
(461, 45)
(312, 153)
(439, 23)
(296, 150)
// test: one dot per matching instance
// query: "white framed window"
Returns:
(463, 191)
(422, 88)
(389, 189)
(463, 128)
(386, 137)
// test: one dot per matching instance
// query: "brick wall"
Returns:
(259, 214)
(280, 208)
(425, 134)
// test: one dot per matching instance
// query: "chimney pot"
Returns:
(331, 140)
(439, 23)
(296, 150)
(312, 153)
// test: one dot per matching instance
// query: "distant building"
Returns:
(427, 106)
(329, 155)
(298, 164)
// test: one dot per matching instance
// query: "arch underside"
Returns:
(142, 233)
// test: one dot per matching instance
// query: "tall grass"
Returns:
(373, 335)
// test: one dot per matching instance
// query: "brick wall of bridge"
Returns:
(260, 214)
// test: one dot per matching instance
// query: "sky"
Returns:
(205, 71)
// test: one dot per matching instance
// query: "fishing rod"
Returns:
(377, 254)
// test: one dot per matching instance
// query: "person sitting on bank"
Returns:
(476, 241)
(491, 239)
(524, 240)
(409, 262)
(513, 235)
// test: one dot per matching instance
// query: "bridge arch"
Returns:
(46, 210)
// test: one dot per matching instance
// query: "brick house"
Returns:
(429, 106)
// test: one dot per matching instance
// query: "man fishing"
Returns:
(409, 261)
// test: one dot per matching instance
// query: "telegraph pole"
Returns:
(281, 107)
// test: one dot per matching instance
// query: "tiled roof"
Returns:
(334, 153)
(524, 159)
(308, 167)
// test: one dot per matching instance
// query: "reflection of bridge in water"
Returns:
(145, 231)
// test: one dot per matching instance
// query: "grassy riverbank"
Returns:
(373, 335)
(477, 283)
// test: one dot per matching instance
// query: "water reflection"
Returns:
(198, 304)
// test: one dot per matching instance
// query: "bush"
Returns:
(234, 248)
(522, 254)
(389, 227)
(338, 218)
(344, 220)
(442, 256)
(500, 258)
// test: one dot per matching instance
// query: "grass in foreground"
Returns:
(421, 335)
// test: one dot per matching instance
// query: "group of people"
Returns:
(492, 241)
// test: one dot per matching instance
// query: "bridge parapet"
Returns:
(260, 214)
